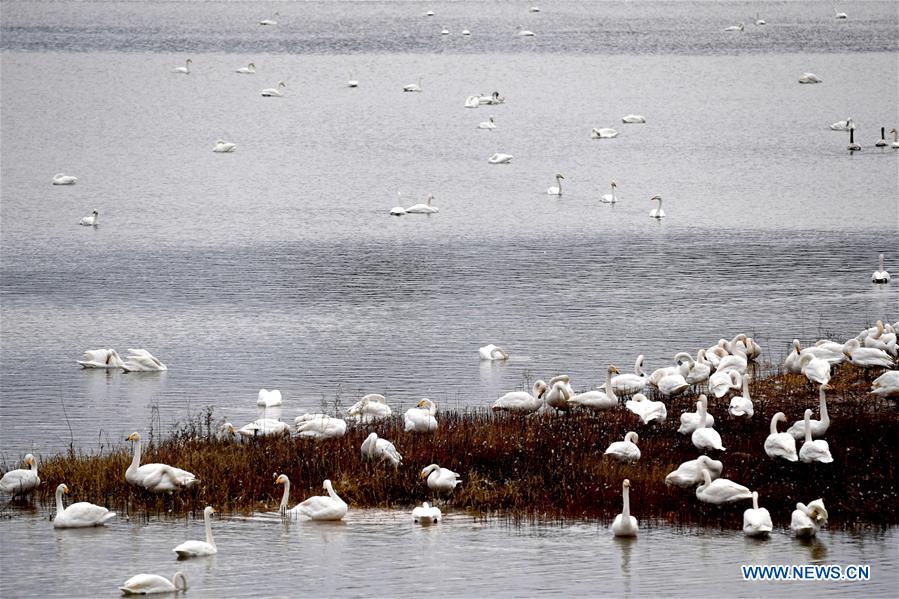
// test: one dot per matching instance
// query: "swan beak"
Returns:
(421, 404)
(231, 430)
(130, 437)
(423, 475)
(65, 489)
(615, 370)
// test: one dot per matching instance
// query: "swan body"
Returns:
(690, 473)
(759, 21)
(381, 450)
(492, 352)
(444, 31)
(739, 27)
(705, 437)
(466, 32)
(227, 432)
(250, 69)
(853, 147)
(413, 87)
(149, 584)
(268, 399)
(158, 478)
(274, 92)
(647, 410)
(534, 9)
(839, 15)
(625, 451)
(224, 147)
(603, 133)
(556, 190)
(91, 221)
(690, 421)
(521, 402)
(813, 451)
(199, 548)
(79, 515)
(880, 275)
(185, 70)
(723, 381)
(21, 480)
(633, 118)
(657, 212)
(272, 21)
(425, 514)
(741, 406)
(673, 384)
(737, 361)
(370, 408)
(884, 339)
(866, 357)
(423, 208)
(610, 198)
(140, 360)
(597, 400)
(780, 445)
(420, 419)
(63, 179)
(818, 427)
(264, 427)
(886, 385)
(441, 480)
(100, 358)
(628, 383)
(720, 490)
(328, 507)
(472, 102)
(756, 520)
(810, 78)
(843, 125)
(351, 82)
(815, 369)
(320, 426)
(500, 158)
(525, 32)
(807, 520)
(625, 525)
(488, 124)
(559, 392)
(492, 99)
(695, 371)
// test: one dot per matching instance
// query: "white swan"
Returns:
(441, 480)
(398, 210)
(813, 451)
(492, 352)
(224, 147)
(100, 358)
(723, 381)
(625, 451)
(488, 124)
(274, 92)
(430, 13)
(810, 78)
(525, 32)
(597, 400)
(556, 190)
(264, 427)
(140, 360)
(756, 520)
(819, 427)
(628, 383)
(647, 410)
(673, 384)
(558, 392)
(444, 31)
(158, 478)
(500, 158)
(886, 385)
(423, 208)
(780, 445)
(227, 432)
(466, 32)
(603, 133)
(199, 548)
(91, 221)
(320, 426)
(21, 480)
(739, 27)
(880, 275)
(866, 357)
(815, 369)
(657, 212)
(472, 101)
(250, 69)
(421, 418)
(185, 70)
(534, 9)
(625, 525)
(63, 179)
(839, 15)
(425, 514)
(148, 584)
(521, 402)
(741, 405)
(807, 520)
(328, 507)
(272, 21)
(694, 371)
(759, 21)
(690, 473)
(79, 515)
(882, 142)
(705, 437)
(351, 81)
(720, 490)
(610, 198)
(370, 408)
(492, 99)
(413, 87)
(690, 421)
(843, 125)
(829, 351)
(737, 361)
(633, 118)
(268, 399)
(895, 144)
(382, 450)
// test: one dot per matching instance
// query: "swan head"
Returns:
(95, 212)
(634, 438)
(779, 417)
(208, 511)
(613, 369)
(428, 470)
(135, 436)
(281, 479)
(282, 84)
(654, 198)
(179, 577)
(559, 176)
(703, 400)
(539, 389)
(808, 414)
(189, 61)
(626, 484)
(614, 183)
(493, 121)
(327, 484)
(371, 438)
(64, 488)
(29, 460)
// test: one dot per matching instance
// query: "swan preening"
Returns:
(756, 520)
(625, 525)
(274, 92)
(158, 478)
(185, 70)
(810, 78)
(268, 399)
(492, 352)
(63, 179)
(100, 358)
(320, 426)
(79, 515)
(720, 490)
(91, 221)
(556, 190)
(224, 147)
(739, 27)
(413, 87)
(521, 402)
(866, 357)
(370, 408)
(881, 275)
(610, 198)
(250, 69)
(886, 385)
(382, 450)
(500, 158)
(148, 584)
(492, 99)
(264, 427)
(21, 480)
(741, 405)
(421, 418)
(780, 445)
(843, 125)
(647, 410)
(657, 212)
(604, 133)
(199, 548)
(441, 480)
(140, 360)
(807, 520)
(425, 514)
(633, 118)
(472, 102)
(627, 450)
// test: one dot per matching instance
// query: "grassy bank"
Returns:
(544, 467)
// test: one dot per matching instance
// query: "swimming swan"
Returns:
(413, 87)
(492, 352)
(625, 451)
(63, 179)
(323, 507)
(839, 15)
(556, 190)
(780, 445)
(633, 118)
(810, 78)
(250, 69)
(421, 418)
(525, 32)
(813, 451)
(158, 478)
(690, 473)
(895, 144)
(382, 450)
(140, 360)
(604, 133)
(819, 427)
(735, 27)
(488, 124)
(425, 514)
(271, 21)
(185, 70)
(224, 147)
(274, 92)
(610, 198)
(500, 158)
(880, 275)
(91, 221)
(79, 515)
(807, 520)
(657, 212)
(521, 402)
(199, 548)
(720, 490)
(423, 208)
(148, 584)
(441, 480)
(843, 125)
(625, 525)
(100, 358)
(756, 520)
(21, 480)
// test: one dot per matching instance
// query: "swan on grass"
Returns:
(625, 525)
(690, 421)
(556, 190)
(21, 480)
(866, 357)
(423, 208)
(810, 78)
(720, 490)
(272, 21)
(500, 158)
(100, 358)
(91, 221)
(274, 92)
(140, 360)
(370, 408)
(381, 450)
(694, 371)
(610, 198)
(604, 133)
(739, 27)
(79, 515)
(185, 70)
(440, 480)
(199, 548)
(413, 87)
(813, 451)
(158, 478)
(807, 520)
(690, 473)
(780, 445)
(633, 118)
(672, 384)
(881, 275)
(224, 147)
(559, 392)
(647, 410)
(320, 426)
(819, 427)
(421, 418)
(521, 402)
(425, 514)
(815, 369)
(756, 520)
(268, 399)
(63, 179)
(705, 437)
(598, 400)
(492, 352)
(722, 382)
(264, 427)
(149, 584)
(843, 125)
(630, 383)
(886, 385)
(657, 212)
(625, 451)
(741, 405)
(250, 69)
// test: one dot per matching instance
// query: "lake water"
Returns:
(278, 266)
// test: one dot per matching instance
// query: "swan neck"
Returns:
(702, 414)
(207, 517)
(610, 391)
(822, 407)
(135, 459)
(638, 366)
(626, 508)
(774, 420)
(755, 500)
(60, 505)
(179, 581)
(881, 256)
(808, 428)
(285, 496)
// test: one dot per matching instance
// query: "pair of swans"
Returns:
(380, 450)
(883, 337)
(690, 421)
(158, 478)
(521, 402)
(811, 78)
(328, 507)
(100, 358)
(720, 490)
(886, 385)
(274, 92)
(881, 275)
(79, 515)
(756, 520)
(91, 221)
(370, 408)
(647, 410)
(741, 405)
(694, 371)
(500, 158)
(597, 400)
(780, 445)
(63, 179)
(426, 208)
(425, 514)
(224, 147)
(185, 70)
(21, 480)
(413, 87)
(250, 69)
(149, 584)
(807, 520)
(603, 133)
(625, 451)
(705, 437)
(320, 426)
(828, 351)
(689, 473)
(492, 352)
(866, 357)
(199, 548)
(556, 190)
(490, 123)
(421, 418)
(610, 198)
(440, 480)
(268, 399)
(559, 392)
(624, 524)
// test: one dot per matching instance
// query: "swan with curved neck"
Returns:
(79, 515)
(158, 478)
(720, 490)
(690, 472)
(647, 410)
(814, 368)
(866, 357)
(274, 92)
(323, 507)
(21, 480)
(382, 450)
(756, 520)
(556, 190)
(627, 450)
(147, 584)
(185, 70)
(657, 212)
(199, 548)
(413, 87)
(250, 69)
(492, 352)
(806, 520)
(421, 418)
(881, 275)
(490, 123)
(625, 525)
(813, 451)
(441, 480)
(780, 445)
(91, 221)
(690, 421)
(522, 402)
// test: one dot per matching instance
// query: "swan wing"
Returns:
(194, 548)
